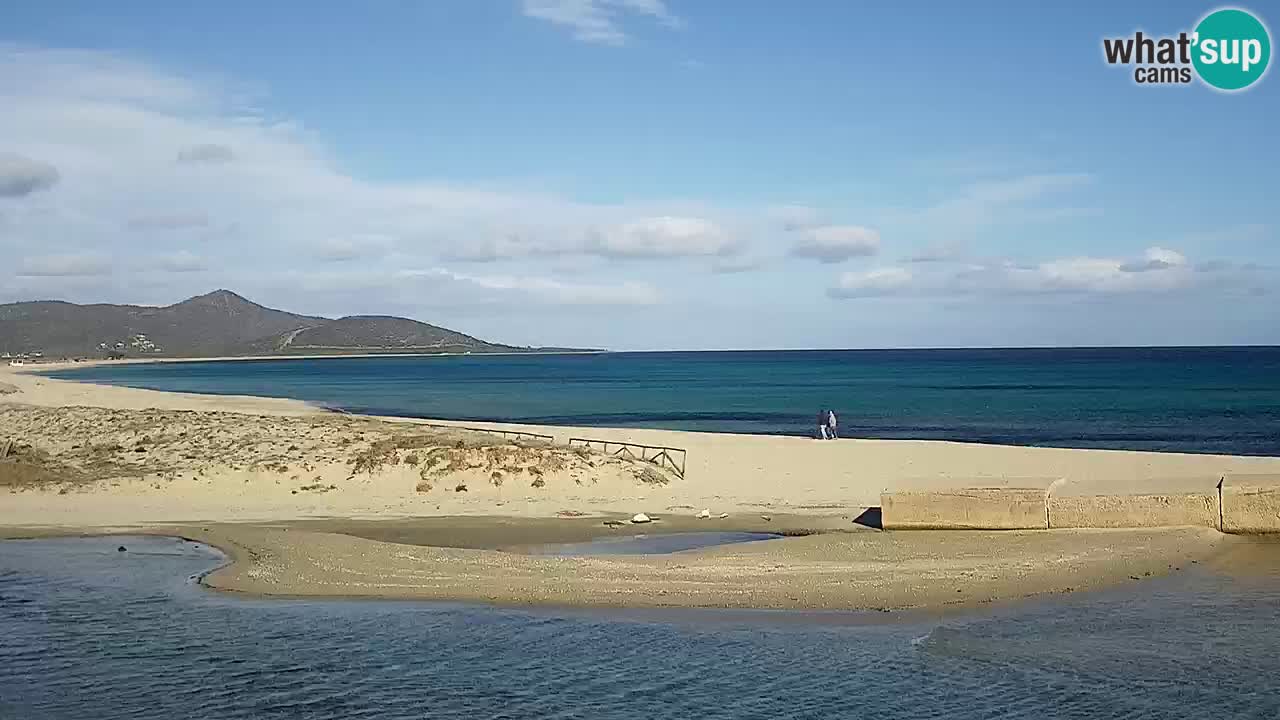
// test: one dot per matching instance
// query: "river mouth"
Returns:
(92, 633)
(659, 544)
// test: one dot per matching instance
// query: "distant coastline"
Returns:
(39, 366)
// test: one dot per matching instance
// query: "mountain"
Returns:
(218, 323)
(370, 331)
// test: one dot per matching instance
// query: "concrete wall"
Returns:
(1133, 511)
(965, 509)
(1244, 504)
(1251, 504)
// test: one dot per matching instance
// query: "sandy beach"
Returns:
(312, 502)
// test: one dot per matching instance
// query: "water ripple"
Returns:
(125, 637)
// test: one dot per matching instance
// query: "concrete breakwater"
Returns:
(1237, 503)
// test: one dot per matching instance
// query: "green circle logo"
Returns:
(1232, 49)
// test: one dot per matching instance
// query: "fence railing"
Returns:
(517, 434)
(660, 455)
(671, 458)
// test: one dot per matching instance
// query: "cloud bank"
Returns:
(837, 243)
(1156, 270)
(598, 21)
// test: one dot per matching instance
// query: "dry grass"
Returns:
(26, 467)
(79, 444)
(651, 475)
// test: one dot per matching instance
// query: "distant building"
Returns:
(141, 343)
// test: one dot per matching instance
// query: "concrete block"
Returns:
(1134, 511)
(1003, 508)
(1251, 504)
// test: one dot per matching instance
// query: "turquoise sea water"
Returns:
(90, 633)
(1220, 400)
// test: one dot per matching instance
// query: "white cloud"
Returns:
(837, 243)
(89, 76)
(489, 248)
(938, 253)
(64, 265)
(644, 238)
(661, 237)
(353, 247)
(879, 281)
(598, 21)
(1098, 275)
(168, 221)
(131, 143)
(548, 290)
(1155, 258)
(183, 261)
(731, 265)
(21, 175)
(206, 154)
(1159, 270)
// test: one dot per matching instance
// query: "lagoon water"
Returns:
(89, 632)
(1217, 400)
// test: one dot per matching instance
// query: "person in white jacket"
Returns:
(831, 433)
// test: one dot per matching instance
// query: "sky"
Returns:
(643, 174)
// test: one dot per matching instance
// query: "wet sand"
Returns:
(846, 571)
(459, 559)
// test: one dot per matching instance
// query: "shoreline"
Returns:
(44, 366)
(726, 472)
(515, 425)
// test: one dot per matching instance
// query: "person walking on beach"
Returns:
(831, 433)
(822, 424)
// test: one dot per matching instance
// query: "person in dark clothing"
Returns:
(822, 424)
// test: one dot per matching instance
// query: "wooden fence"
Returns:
(671, 458)
(660, 455)
(516, 434)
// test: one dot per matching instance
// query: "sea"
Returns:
(1201, 400)
(90, 632)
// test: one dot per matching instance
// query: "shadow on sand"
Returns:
(870, 518)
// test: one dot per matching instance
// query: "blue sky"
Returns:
(643, 174)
